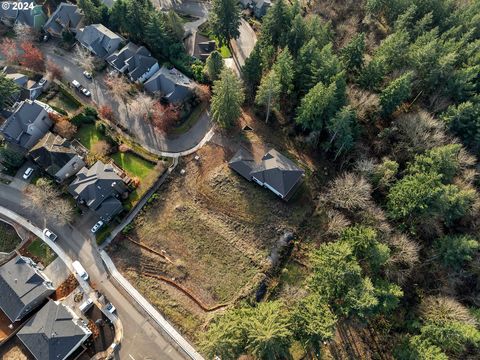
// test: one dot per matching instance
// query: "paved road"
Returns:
(243, 46)
(141, 340)
(196, 8)
(141, 130)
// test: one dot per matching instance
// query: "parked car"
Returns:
(110, 308)
(87, 75)
(86, 92)
(81, 88)
(50, 235)
(97, 226)
(42, 82)
(27, 173)
(80, 270)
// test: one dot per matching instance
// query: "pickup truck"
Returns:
(81, 88)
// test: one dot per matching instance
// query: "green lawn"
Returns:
(89, 135)
(63, 102)
(134, 165)
(41, 251)
(8, 238)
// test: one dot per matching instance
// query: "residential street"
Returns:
(141, 130)
(141, 340)
(243, 46)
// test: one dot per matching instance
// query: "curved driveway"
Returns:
(141, 341)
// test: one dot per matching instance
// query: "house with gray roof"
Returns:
(29, 89)
(27, 125)
(134, 61)
(23, 287)
(99, 188)
(54, 332)
(67, 17)
(57, 157)
(170, 84)
(99, 40)
(274, 172)
(31, 14)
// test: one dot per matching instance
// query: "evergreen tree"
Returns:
(284, 69)
(371, 76)
(252, 72)
(396, 93)
(227, 99)
(319, 105)
(268, 332)
(297, 34)
(268, 93)
(343, 131)
(456, 250)
(8, 89)
(92, 13)
(225, 20)
(276, 24)
(352, 53)
(313, 322)
(214, 65)
(464, 121)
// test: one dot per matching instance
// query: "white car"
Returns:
(42, 82)
(110, 308)
(76, 84)
(87, 75)
(50, 235)
(96, 227)
(27, 173)
(86, 92)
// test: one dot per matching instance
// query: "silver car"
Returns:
(97, 226)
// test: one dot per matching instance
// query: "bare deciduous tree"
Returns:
(119, 89)
(141, 106)
(336, 222)
(350, 191)
(44, 195)
(442, 308)
(101, 148)
(65, 128)
(404, 258)
(84, 59)
(24, 33)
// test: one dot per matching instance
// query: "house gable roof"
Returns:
(21, 283)
(66, 16)
(53, 153)
(96, 185)
(52, 333)
(98, 37)
(274, 170)
(118, 59)
(171, 83)
(27, 124)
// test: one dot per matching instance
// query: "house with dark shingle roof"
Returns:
(134, 61)
(23, 287)
(99, 40)
(27, 125)
(67, 17)
(171, 84)
(53, 333)
(57, 157)
(275, 172)
(29, 89)
(100, 188)
(31, 14)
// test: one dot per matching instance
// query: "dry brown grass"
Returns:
(216, 228)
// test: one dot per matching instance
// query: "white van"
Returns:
(80, 270)
(86, 305)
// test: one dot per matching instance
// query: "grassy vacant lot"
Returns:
(134, 165)
(89, 135)
(8, 238)
(41, 252)
(63, 102)
(211, 231)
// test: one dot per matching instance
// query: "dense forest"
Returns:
(388, 91)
